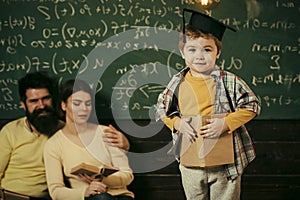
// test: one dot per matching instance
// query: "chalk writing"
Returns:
(281, 100)
(292, 48)
(26, 22)
(277, 79)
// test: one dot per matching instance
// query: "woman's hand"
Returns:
(86, 178)
(115, 138)
(95, 187)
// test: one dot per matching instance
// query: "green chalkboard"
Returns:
(127, 50)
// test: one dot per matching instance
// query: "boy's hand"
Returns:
(115, 138)
(184, 126)
(214, 128)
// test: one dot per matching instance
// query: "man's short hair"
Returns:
(35, 80)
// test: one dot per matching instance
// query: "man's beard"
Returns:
(47, 123)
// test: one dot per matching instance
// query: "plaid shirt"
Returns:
(240, 96)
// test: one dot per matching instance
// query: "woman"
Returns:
(80, 141)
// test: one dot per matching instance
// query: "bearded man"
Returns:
(22, 169)
(22, 141)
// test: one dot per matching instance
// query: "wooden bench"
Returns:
(7, 195)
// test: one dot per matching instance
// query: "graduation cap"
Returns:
(205, 24)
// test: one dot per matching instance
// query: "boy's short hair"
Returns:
(194, 33)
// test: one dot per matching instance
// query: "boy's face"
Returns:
(200, 55)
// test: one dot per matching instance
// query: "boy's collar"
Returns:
(214, 73)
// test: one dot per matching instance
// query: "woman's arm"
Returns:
(55, 176)
(124, 176)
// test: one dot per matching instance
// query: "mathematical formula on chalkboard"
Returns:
(127, 50)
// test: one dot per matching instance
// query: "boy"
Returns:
(202, 89)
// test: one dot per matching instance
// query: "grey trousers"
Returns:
(209, 184)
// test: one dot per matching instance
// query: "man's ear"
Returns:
(23, 105)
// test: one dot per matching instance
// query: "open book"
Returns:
(91, 170)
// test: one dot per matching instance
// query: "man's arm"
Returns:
(115, 138)
(4, 153)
